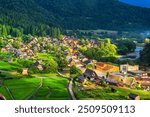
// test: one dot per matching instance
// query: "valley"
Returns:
(74, 50)
(46, 68)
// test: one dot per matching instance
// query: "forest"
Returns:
(72, 14)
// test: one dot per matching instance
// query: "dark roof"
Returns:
(70, 60)
(36, 63)
(111, 82)
(137, 72)
(44, 67)
(132, 96)
(90, 73)
(87, 62)
(82, 78)
(143, 79)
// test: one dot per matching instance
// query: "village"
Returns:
(93, 74)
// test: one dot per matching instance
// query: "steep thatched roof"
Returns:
(115, 78)
(90, 73)
(128, 81)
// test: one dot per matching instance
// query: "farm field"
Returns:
(44, 56)
(53, 89)
(107, 94)
(6, 66)
(48, 88)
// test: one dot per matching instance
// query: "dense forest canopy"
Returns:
(145, 55)
(73, 14)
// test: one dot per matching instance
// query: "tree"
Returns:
(104, 52)
(25, 63)
(75, 71)
(125, 46)
(61, 61)
(1, 42)
(147, 40)
(4, 31)
(145, 55)
(51, 66)
(54, 32)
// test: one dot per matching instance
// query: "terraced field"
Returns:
(48, 88)
(107, 94)
(53, 89)
(6, 66)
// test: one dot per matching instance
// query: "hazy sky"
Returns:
(143, 3)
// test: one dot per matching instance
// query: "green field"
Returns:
(49, 88)
(53, 89)
(44, 56)
(106, 94)
(6, 66)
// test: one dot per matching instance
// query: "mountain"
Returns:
(141, 3)
(74, 14)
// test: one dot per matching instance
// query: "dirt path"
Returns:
(30, 97)
(49, 92)
(9, 92)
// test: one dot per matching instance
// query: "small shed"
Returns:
(134, 96)
(25, 71)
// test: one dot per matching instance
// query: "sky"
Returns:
(142, 3)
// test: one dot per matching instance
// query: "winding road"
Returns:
(70, 86)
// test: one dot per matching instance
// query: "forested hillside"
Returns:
(31, 15)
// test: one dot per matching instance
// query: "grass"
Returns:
(21, 88)
(106, 94)
(6, 66)
(44, 56)
(53, 88)
(5, 92)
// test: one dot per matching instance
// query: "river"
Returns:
(132, 56)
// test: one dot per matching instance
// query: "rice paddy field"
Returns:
(106, 94)
(6, 66)
(53, 89)
(46, 88)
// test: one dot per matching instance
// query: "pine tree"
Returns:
(4, 31)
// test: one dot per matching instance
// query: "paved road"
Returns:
(70, 86)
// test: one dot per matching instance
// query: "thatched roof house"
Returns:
(104, 67)
(129, 81)
(116, 78)
(139, 73)
(90, 74)
(145, 82)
